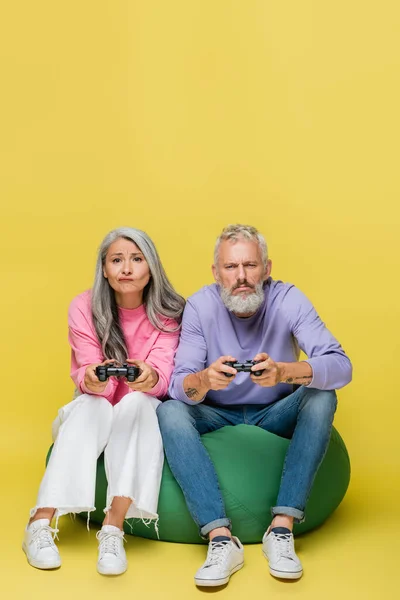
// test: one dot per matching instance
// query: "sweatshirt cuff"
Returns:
(318, 377)
(160, 389)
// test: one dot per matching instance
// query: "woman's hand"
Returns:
(147, 379)
(91, 380)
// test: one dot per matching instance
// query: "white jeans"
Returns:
(129, 435)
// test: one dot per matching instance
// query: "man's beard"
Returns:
(243, 304)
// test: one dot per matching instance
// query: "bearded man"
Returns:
(246, 315)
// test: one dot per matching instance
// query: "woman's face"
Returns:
(127, 272)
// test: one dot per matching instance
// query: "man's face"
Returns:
(240, 272)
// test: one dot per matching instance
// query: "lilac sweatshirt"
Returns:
(285, 323)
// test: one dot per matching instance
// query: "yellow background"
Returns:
(179, 117)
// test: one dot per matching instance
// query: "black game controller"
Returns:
(244, 367)
(131, 372)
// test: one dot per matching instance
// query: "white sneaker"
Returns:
(223, 559)
(278, 549)
(112, 557)
(39, 545)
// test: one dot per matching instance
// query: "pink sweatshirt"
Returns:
(144, 342)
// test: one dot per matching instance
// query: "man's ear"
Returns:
(268, 269)
(215, 272)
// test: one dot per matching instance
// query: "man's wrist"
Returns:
(196, 385)
(282, 370)
(299, 373)
(204, 381)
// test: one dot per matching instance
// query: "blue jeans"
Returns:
(305, 417)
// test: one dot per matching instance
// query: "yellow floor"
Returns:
(355, 554)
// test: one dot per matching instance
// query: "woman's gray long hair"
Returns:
(159, 297)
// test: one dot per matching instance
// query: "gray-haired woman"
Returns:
(131, 316)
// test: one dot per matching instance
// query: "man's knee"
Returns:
(173, 414)
(321, 404)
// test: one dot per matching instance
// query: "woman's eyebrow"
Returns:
(122, 254)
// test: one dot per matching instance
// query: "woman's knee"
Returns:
(95, 405)
(85, 406)
(85, 418)
(135, 402)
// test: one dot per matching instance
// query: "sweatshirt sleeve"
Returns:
(161, 358)
(85, 346)
(191, 354)
(331, 367)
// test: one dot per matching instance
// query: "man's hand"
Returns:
(147, 379)
(272, 371)
(91, 380)
(299, 373)
(196, 385)
(214, 377)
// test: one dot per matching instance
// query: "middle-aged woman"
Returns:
(131, 315)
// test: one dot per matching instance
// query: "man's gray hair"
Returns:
(159, 297)
(234, 233)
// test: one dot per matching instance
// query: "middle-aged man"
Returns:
(247, 314)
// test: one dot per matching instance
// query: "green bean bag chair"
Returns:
(249, 462)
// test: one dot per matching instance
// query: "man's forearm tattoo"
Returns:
(191, 392)
(306, 379)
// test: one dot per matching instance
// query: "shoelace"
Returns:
(44, 536)
(216, 553)
(283, 543)
(109, 542)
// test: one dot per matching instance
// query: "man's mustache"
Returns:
(242, 284)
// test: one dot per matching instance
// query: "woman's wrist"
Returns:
(155, 377)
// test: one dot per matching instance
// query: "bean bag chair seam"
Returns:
(256, 518)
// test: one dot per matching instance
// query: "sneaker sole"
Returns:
(40, 565)
(284, 574)
(103, 571)
(216, 582)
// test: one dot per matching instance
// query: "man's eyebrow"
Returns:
(245, 262)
